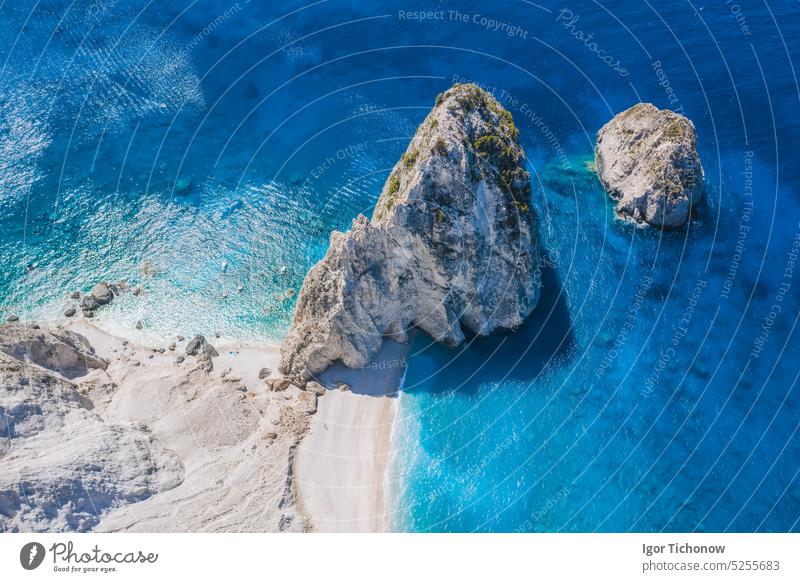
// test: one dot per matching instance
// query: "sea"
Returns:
(206, 149)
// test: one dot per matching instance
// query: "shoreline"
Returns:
(341, 461)
(342, 464)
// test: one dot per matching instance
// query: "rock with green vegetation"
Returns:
(453, 244)
(647, 161)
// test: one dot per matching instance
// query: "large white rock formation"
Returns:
(647, 161)
(453, 244)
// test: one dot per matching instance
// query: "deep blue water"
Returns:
(655, 386)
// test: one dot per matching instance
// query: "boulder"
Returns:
(264, 373)
(102, 293)
(308, 402)
(647, 161)
(278, 384)
(314, 388)
(199, 346)
(89, 303)
(69, 311)
(453, 245)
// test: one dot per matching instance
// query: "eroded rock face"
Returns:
(453, 244)
(61, 465)
(647, 161)
(64, 352)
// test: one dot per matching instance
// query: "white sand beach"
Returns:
(342, 463)
(233, 482)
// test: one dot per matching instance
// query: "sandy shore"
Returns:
(336, 473)
(342, 463)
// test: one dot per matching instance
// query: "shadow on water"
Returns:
(545, 337)
(505, 355)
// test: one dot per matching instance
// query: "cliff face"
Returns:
(453, 244)
(647, 161)
(61, 464)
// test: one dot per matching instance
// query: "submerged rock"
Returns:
(453, 244)
(647, 161)
(570, 176)
(184, 186)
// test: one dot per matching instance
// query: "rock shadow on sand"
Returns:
(423, 364)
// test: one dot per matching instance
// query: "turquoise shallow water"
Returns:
(653, 388)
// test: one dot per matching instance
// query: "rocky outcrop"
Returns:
(61, 465)
(198, 345)
(647, 161)
(64, 352)
(453, 244)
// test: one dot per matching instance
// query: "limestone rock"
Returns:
(315, 388)
(647, 161)
(64, 352)
(453, 244)
(102, 294)
(198, 345)
(62, 467)
(278, 384)
(308, 402)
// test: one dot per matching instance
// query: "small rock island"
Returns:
(647, 161)
(453, 244)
